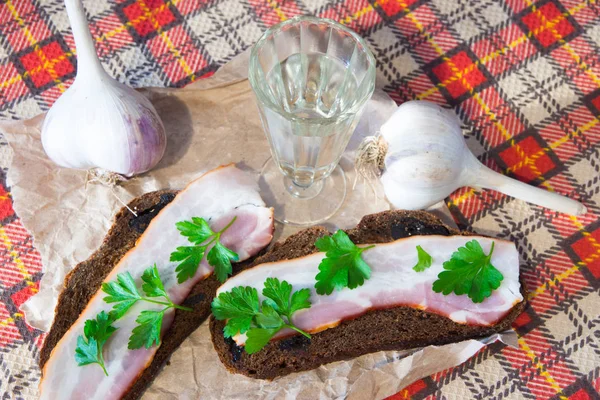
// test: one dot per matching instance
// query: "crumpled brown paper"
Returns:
(209, 123)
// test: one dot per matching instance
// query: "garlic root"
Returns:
(370, 157)
(109, 179)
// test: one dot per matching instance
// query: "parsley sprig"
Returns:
(124, 293)
(202, 236)
(343, 265)
(469, 271)
(424, 260)
(245, 314)
(90, 346)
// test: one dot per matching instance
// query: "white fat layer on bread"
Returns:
(218, 197)
(393, 283)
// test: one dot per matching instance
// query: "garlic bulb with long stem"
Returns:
(427, 159)
(100, 123)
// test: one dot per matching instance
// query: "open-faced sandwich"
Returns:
(125, 310)
(399, 280)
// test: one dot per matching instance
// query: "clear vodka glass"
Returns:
(312, 78)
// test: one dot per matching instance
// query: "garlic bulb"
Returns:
(99, 122)
(427, 159)
(417, 158)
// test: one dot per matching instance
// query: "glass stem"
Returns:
(304, 192)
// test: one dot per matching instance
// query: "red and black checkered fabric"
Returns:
(523, 76)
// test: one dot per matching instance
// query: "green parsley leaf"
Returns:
(96, 333)
(424, 261)
(190, 257)
(469, 271)
(269, 317)
(197, 231)
(300, 300)
(123, 292)
(121, 308)
(259, 338)
(241, 301)
(237, 325)
(221, 257)
(153, 286)
(245, 314)
(202, 236)
(147, 332)
(86, 351)
(123, 289)
(100, 328)
(238, 307)
(343, 265)
(278, 296)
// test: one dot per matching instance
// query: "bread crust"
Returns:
(396, 328)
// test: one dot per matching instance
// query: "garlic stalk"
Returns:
(427, 159)
(100, 123)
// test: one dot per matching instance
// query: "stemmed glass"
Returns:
(312, 78)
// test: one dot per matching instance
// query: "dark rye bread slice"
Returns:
(389, 329)
(86, 278)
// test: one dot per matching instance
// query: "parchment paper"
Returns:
(209, 123)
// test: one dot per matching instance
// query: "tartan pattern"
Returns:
(523, 76)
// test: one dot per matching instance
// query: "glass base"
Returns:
(294, 205)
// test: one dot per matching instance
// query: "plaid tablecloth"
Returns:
(523, 75)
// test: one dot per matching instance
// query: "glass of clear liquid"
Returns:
(312, 78)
